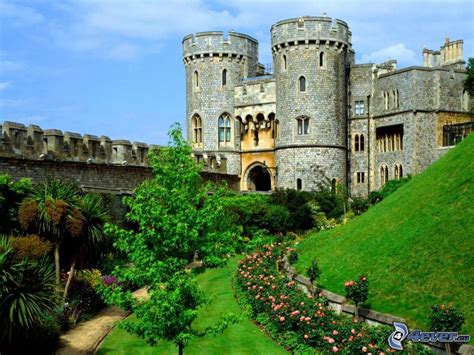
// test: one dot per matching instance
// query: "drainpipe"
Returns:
(368, 145)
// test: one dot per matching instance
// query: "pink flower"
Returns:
(335, 349)
(282, 319)
(364, 349)
(307, 319)
(330, 340)
(364, 279)
(351, 338)
(353, 331)
(301, 319)
(306, 336)
(335, 332)
(295, 313)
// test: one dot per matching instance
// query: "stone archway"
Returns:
(259, 179)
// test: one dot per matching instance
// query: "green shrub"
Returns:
(11, 194)
(83, 293)
(357, 291)
(292, 257)
(359, 205)
(330, 202)
(31, 247)
(445, 319)
(313, 271)
(389, 188)
(297, 203)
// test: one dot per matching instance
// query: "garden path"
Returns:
(86, 337)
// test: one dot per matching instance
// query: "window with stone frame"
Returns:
(359, 108)
(197, 129)
(360, 177)
(321, 59)
(398, 171)
(196, 79)
(299, 184)
(225, 129)
(302, 84)
(302, 125)
(224, 77)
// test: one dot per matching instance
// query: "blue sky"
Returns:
(114, 67)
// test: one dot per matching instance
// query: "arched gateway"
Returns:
(259, 179)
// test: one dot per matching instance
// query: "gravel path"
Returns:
(86, 337)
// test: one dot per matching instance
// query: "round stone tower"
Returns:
(214, 64)
(311, 56)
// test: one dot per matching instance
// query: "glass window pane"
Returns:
(221, 122)
(306, 126)
(221, 134)
(227, 134)
(300, 127)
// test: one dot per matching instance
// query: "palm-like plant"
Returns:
(90, 215)
(48, 210)
(27, 292)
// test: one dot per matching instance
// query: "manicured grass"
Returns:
(416, 246)
(242, 338)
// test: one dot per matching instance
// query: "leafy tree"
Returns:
(50, 211)
(86, 226)
(313, 271)
(296, 202)
(27, 293)
(469, 82)
(178, 217)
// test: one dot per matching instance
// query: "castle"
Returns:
(319, 119)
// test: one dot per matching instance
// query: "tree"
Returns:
(85, 225)
(313, 273)
(48, 210)
(178, 217)
(469, 82)
(27, 293)
(11, 194)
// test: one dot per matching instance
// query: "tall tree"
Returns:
(469, 82)
(47, 211)
(178, 217)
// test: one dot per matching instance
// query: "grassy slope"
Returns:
(241, 338)
(417, 246)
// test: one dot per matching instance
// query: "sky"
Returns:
(114, 67)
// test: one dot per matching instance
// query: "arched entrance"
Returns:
(258, 179)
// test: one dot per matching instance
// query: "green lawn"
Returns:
(241, 338)
(416, 246)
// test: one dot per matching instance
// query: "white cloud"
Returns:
(4, 85)
(398, 51)
(19, 15)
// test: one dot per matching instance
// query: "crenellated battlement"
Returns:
(311, 31)
(34, 143)
(218, 44)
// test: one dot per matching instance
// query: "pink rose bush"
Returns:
(297, 321)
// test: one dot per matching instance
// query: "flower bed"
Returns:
(298, 321)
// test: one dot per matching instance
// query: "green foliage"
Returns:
(359, 205)
(177, 217)
(469, 82)
(313, 271)
(292, 257)
(389, 188)
(330, 203)
(11, 194)
(255, 214)
(30, 247)
(357, 291)
(445, 319)
(424, 228)
(301, 217)
(27, 293)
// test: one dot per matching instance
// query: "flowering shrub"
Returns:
(447, 319)
(357, 291)
(299, 321)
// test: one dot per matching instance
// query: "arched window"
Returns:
(302, 82)
(224, 77)
(361, 145)
(386, 174)
(196, 79)
(321, 59)
(356, 142)
(302, 125)
(395, 172)
(224, 126)
(299, 184)
(400, 171)
(284, 63)
(197, 129)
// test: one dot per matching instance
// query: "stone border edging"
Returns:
(339, 304)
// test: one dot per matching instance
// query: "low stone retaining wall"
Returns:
(340, 305)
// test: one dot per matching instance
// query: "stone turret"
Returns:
(311, 56)
(214, 64)
(450, 54)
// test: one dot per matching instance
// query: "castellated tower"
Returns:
(214, 64)
(311, 56)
